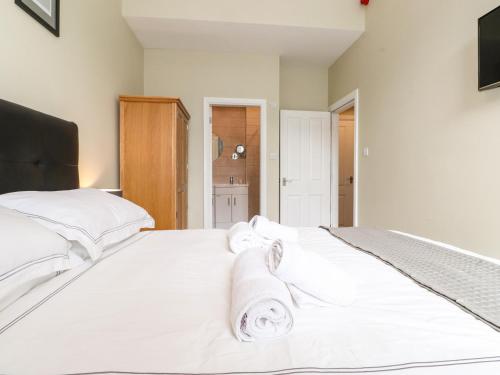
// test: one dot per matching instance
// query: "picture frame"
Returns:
(46, 12)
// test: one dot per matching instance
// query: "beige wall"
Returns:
(303, 86)
(76, 77)
(327, 14)
(194, 75)
(433, 138)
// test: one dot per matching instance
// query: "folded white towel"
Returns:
(242, 238)
(311, 279)
(272, 230)
(261, 306)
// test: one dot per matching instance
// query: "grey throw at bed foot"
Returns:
(468, 281)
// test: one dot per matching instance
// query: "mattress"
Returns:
(159, 303)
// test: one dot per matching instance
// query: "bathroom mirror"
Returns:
(240, 149)
(217, 147)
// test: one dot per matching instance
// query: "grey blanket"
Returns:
(470, 282)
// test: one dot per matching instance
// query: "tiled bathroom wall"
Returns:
(253, 159)
(229, 123)
(239, 125)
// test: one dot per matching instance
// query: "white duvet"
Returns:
(160, 304)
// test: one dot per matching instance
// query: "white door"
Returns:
(305, 172)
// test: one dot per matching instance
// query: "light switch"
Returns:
(366, 151)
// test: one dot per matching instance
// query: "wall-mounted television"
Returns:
(489, 50)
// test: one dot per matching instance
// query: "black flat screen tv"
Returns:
(489, 50)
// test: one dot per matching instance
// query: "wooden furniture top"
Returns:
(156, 99)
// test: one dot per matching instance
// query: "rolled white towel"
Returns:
(242, 238)
(261, 306)
(272, 230)
(311, 279)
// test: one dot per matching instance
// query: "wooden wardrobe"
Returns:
(153, 157)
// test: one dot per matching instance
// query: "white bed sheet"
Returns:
(160, 304)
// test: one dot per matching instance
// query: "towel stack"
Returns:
(270, 271)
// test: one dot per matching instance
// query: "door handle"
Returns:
(234, 201)
(351, 179)
(286, 181)
(229, 201)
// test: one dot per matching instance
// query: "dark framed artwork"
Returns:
(46, 12)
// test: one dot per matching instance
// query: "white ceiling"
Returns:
(308, 44)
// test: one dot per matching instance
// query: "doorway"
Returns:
(235, 164)
(346, 168)
(235, 160)
(345, 151)
(318, 157)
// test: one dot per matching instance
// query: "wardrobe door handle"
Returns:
(229, 201)
(234, 201)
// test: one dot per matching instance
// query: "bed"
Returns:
(158, 303)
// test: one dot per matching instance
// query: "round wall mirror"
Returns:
(240, 149)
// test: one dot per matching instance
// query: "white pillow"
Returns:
(92, 217)
(29, 253)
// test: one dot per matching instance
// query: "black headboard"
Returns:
(37, 151)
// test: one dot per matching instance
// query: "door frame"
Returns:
(208, 102)
(347, 102)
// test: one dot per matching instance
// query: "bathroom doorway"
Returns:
(235, 163)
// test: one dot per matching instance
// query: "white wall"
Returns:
(303, 86)
(194, 75)
(76, 77)
(433, 138)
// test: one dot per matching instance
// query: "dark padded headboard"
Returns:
(37, 151)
